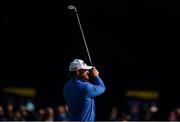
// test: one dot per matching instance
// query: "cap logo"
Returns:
(84, 64)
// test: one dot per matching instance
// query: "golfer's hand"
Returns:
(94, 72)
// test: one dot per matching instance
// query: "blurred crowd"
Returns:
(59, 113)
(151, 113)
(28, 111)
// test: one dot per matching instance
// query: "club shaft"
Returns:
(83, 38)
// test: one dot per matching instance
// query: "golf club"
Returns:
(71, 7)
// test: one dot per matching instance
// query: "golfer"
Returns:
(79, 93)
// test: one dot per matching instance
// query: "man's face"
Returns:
(83, 73)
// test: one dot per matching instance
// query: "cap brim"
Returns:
(87, 67)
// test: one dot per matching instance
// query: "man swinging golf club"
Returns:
(79, 93)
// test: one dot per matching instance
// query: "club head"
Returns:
(71, 7)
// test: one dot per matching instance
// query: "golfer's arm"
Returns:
(98, 81)
(96, 89)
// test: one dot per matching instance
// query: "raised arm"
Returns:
(97, 88)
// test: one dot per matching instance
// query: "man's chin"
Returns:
(86, 78)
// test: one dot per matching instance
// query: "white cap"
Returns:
(78, 64)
